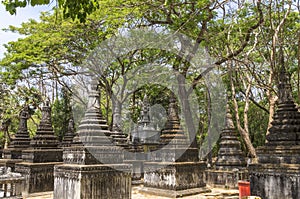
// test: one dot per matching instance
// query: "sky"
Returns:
(23, 14)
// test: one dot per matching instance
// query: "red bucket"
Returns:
(244, 189)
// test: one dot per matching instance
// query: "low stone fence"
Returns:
(11, 184)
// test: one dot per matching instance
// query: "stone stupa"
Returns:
(41, 157)
(230, 166)
(20, 142)
(93, 166)
(70, 134)
(176, 170)
(276, 175)
(230, 155)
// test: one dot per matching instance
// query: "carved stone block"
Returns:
(275, 181)
(174, 179)
(92, 181)
(39, 177)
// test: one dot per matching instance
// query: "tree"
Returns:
(197, 19)
(51, 49)
(54, 49)
(254, 71)
(12, 101)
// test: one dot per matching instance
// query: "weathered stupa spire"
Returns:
(92, 137)
(93, 129)
(168, 169)
(172, 128)
(230, 155)
(70, 134)
(284, 86)
(42, 153)
(22, 139)
(177, 147)
(286, 120)
(145, 112)
(92, 120)
(146, 130)
(117, 136)
(45, 137)
(228, 119)
(230, 166)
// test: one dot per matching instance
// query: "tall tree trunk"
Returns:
(116, 109)
(209, 123)
(272, 98)
(107, 107)
(184, 99)
(298, 70)
(276, 40)
(272, 101)
(243, 131)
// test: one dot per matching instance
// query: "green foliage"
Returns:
(45, 49)
(11, 6)
(79, 9)
(54, 47)
(12, 101)
(156, 94)
(75, 9)
(61, 113)
(32, 123)
(258, 125)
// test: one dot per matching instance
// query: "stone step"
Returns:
(40, 195)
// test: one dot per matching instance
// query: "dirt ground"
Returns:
(216, 193)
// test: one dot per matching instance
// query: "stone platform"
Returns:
(42, 155)
(74, 181)
(288, 154)
(38, 176)
(137, 171)
(284, 178)
(13, 153)
(226, 179)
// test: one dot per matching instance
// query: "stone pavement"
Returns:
(216, 193)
